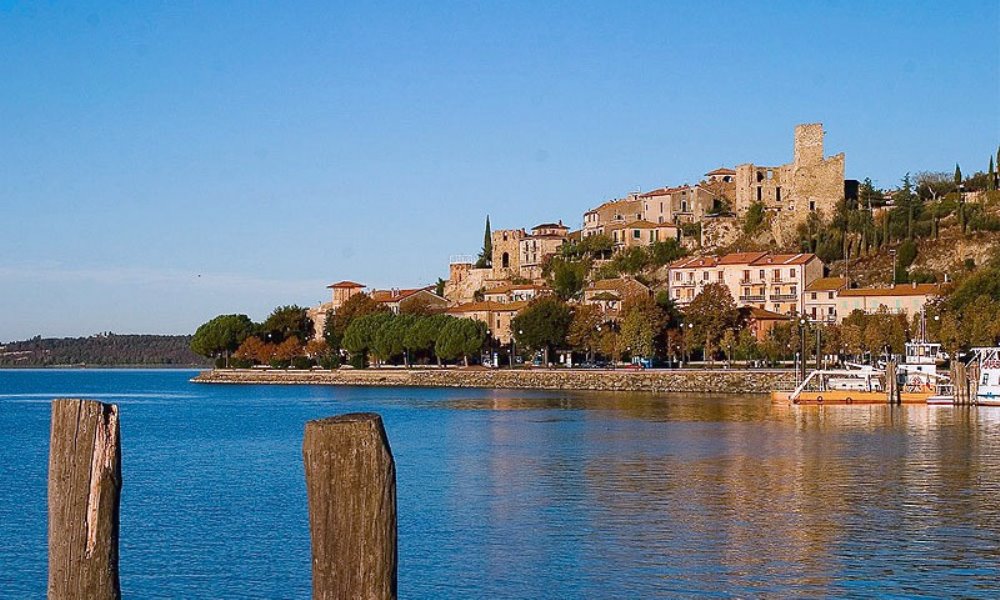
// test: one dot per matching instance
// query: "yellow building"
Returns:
(907, 299)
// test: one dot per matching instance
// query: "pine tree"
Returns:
(958, 175)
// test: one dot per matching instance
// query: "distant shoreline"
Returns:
(101, 367)
(715, 381)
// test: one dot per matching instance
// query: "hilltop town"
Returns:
(739, 265)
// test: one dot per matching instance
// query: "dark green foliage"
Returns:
(356, 306)
(285, 322)
(665, 252)
(439, 287)
(302, 362)
(631, 260)
(692, 230)
(102, 350)
(461, 338)
(222, 335)
(754, 219)
(958, 174)
(567, 277)
(486, 255)
(543, 324)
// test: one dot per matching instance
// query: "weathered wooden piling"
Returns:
(892, 383)
(959, 382)
(351, 488)
(84, 491)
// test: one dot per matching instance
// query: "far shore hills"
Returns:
(101, 351)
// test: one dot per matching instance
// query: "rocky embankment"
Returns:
(719, 381)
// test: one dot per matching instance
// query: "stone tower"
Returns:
(506, 255)
(808, 144)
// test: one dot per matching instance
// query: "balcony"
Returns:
(752, 298)
(784, 297)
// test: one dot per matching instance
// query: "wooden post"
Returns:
(84, 490)
(351, 488)
(959, 382)
(892, 383)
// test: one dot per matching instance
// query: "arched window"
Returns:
(505, 260)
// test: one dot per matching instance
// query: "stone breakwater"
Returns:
(719, 381)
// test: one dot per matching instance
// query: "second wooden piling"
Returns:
(351, 488)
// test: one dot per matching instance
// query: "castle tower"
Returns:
(808, 144)
(506, 253)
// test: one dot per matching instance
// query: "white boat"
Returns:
(988, 381)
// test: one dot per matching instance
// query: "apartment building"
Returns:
(775, 282)
(907, 299)
(821, 299)
(641, 233)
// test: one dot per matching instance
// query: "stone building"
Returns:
(641, 233)
(810, 183)
(341, 293)
(619, 211)
(496, 316)
(544, 241)
(397, 300)
(506, 253)
(681, 204)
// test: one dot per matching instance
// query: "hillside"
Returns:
(102, 350)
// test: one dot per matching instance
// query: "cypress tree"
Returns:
(486, 255)
(991, 181)
(958, 175)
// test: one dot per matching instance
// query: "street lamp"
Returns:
(802, 348)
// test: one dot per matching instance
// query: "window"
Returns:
(830, 295)
(792, 290)
(760, 274)
(777, 193)
(677, 276)
(684, 206)
(746, 275)
(813, 295)
(829, 310)
(791, 273)
(704, 276)
(505, 260)
(636, 234)
(759, 194)
(719, 276)
(777, 274)
(812, 205)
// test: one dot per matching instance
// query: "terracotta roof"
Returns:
(605, 297)
(741, 258)
(784, 259)
(488, 305)
(395, 295)
(761, 314)
(827, 284)
(903, 289)
(550, 226)
(721, 171)
(692, 262)
(664, 191)
(346, 284)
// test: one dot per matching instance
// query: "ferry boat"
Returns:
(988, 381)
(920, 382)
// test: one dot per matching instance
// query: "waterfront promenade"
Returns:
(717, 381)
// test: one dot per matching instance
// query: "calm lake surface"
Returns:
(515, 494)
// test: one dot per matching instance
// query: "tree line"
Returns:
(104, 350)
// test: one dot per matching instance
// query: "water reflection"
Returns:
(712, 494)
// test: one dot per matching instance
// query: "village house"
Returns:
(907, 299)
(642, 233)
(821, 299)
(683, 204)
(775, 282)
(761, 321)
(544, 241)
(398, 300)
(608, 294)
(341, 292)
(496, 316)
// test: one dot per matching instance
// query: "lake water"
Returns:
(515, 494)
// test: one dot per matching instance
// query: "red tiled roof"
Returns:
(488, 306)
(346, 284)
(741, 258)
(827, 284)
(761, 314)
(550, 226)
(721, 171)
(692, 262)
(395, 295)
(784, 259)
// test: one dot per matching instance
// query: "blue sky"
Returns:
(166, 162)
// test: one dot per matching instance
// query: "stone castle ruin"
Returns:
(810, 183)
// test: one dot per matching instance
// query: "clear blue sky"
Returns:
(166, 162)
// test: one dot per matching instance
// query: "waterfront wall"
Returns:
(719, 381)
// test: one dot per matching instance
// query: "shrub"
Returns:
(302, 362)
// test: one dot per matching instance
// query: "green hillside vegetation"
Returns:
(102, 350)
